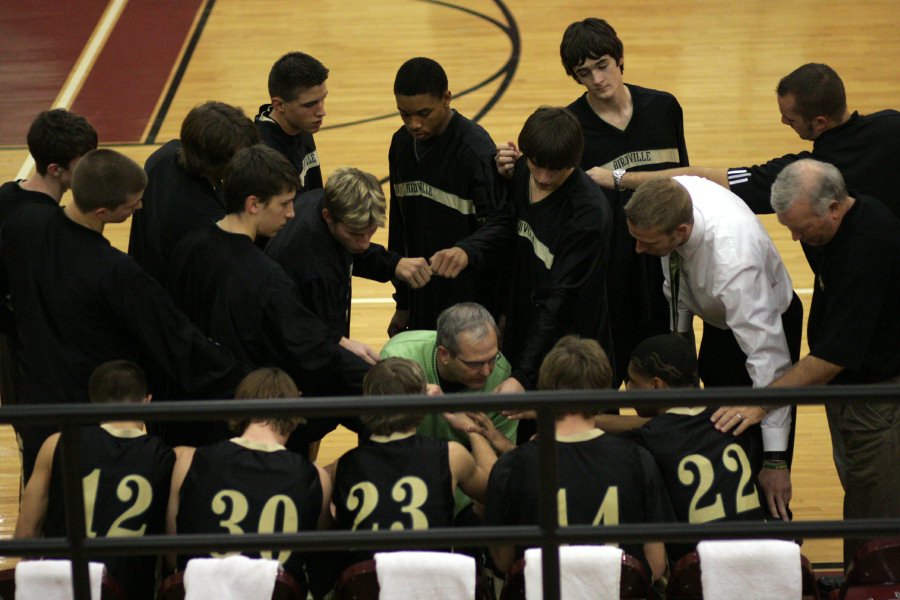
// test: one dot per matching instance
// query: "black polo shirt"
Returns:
(854, 320)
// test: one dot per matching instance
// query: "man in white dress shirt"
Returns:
(720, 264)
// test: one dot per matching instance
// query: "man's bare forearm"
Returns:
(633, 179)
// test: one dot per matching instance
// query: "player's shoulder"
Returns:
(474, 138)
(406, 340)
(645, 95)
(162, 155)
(888, 115)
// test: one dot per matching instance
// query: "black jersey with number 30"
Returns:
(238, 487)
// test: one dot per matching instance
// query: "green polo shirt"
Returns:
(421, 347)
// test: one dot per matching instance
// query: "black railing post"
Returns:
(74, 497)
(546, 428)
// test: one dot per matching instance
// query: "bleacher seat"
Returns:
(874, 572)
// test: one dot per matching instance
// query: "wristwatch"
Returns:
(617, 179)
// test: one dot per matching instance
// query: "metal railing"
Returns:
(548, 535)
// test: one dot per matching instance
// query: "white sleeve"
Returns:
(753, 315)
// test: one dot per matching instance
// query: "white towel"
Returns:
(43, 579)
(230, 578)
(586, 573)
(750, 569)
(431, 575)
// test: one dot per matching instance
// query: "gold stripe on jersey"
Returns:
(420, 188)
(253, 445)
(540, 250)
(122, 432)
(582, 436)
(397, 435)
(690, 411)
(640, 158)
(310, 161)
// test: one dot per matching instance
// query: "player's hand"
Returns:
(603, 177)
(738, 418)
(776, 486)
(499, 442)
(433, 389)
(414, 271)
(399, 322)
(507, 155)
(449, 262)
(462, 422)
(361, 350)
(518, 415)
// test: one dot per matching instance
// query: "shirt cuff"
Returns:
(776, 428)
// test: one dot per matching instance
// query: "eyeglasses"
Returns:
(479, 364)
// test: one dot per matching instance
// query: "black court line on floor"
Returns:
(507, 71)
(179, 73)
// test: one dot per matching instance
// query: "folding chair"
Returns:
(358, 582)
(874, 572)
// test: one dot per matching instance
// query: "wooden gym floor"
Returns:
(135, 67)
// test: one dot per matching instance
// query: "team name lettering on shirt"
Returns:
(643, 157)
(420, 188)
(540, 250)
(310, 161)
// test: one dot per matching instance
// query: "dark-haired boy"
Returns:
(558, 273)
(710, 475)
(184, 183)
(245, 300)
(57, 139)
(125, 477)
(447, 203)
(626, 128)
(297, 89)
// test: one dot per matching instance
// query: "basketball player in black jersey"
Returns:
(447, 202)
(252, 483)
(400, 480)
(125, 476)
(57, 139)
(710, 475)
(603, 479)
(297, 88)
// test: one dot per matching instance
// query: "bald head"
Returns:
(818, 182)
(810, 199)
